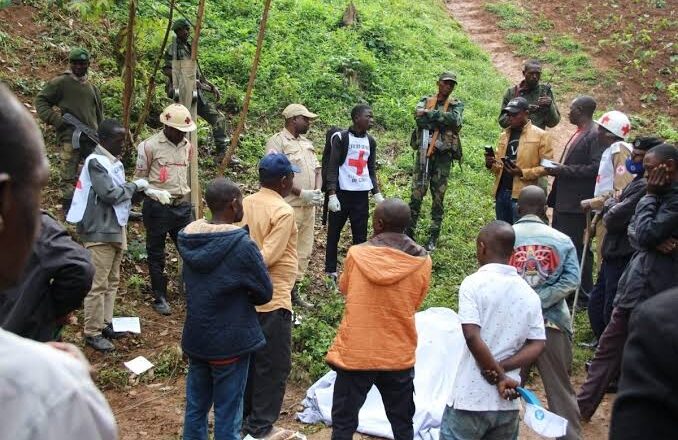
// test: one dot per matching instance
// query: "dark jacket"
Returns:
(541, 117)
(225, 277)
(56, 280)
(650, 271)
(617, 216)
(646, 406)
(99, 222)
(577, 177)
(338, 157)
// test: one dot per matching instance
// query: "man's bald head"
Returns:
(22, 148)
(391, 215)
(531, 200)
(495, 243)
(23, 172)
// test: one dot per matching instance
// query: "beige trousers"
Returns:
(305, 218)
(106, 258)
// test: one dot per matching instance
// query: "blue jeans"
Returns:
(223, 385)
(479, 425)
(506, 208)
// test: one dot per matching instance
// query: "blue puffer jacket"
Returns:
(225, 278)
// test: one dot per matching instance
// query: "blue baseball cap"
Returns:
(276, 165)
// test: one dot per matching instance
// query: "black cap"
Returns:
(517, 105)
(645, 143)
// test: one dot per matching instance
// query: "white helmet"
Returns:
(178, 116)
(616, 123)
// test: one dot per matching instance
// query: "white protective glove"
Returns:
(333, 203)
(141, 184)
(378, 198)
(160, 195)
(312, 197)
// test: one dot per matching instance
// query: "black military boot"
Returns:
(297, 300)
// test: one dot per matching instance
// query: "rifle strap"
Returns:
(430, 105)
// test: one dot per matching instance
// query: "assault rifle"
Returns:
(423, 157)
(80, 129)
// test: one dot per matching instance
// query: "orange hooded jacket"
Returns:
(383, 287)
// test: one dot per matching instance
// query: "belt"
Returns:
(180, 200)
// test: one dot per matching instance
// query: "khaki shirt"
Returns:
(301, 153)
(272, 227)
(164, 164)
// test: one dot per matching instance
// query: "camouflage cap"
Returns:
(181, 23)
(78, 54)
(448, 76)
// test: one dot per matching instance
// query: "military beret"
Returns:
(78, 54)
(647, 142)
(181, 23)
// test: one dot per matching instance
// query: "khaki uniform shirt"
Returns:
(164, 164)
(301, 153)
(272, 227)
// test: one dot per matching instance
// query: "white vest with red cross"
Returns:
(353, 173)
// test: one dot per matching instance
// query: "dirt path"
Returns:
(480, 26)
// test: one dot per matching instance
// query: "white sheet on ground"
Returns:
(440, 346)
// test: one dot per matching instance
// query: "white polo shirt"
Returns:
(508, 312)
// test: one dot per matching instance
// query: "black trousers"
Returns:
(162, 220)
(355, 205)
(603, 294)
(269, 368)
(350, 390)
(573, 225)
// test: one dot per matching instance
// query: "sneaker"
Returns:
(161, 306)
(278, 434)
(99, 343)
(109, 333)
(135, 216)
(431, 246)
(593, 344)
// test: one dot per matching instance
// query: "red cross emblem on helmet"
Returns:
(187, 120)
(168, 116)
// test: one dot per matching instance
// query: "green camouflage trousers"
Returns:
(69, 168)
(438, 170)
(217, 120)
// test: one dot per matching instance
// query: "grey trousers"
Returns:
(554, 366)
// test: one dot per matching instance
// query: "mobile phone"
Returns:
(489, 151)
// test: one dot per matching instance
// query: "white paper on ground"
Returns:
(127, 324)
(139, 364)
(544, 422)
(546, 163)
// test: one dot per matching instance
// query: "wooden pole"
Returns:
(128, 74)
(151, 83)
(248, 94)
(196, 197)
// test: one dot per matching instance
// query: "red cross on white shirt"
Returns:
(359, 163)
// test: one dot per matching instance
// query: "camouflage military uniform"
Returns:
(206, 110)
(540, 117)
(448, 149)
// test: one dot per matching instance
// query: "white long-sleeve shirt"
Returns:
(45, 394)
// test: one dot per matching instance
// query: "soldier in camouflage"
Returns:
(543, 110)
(180, 49)
(71, 92)
(441, 114)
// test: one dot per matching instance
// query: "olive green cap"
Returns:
(448, 76)
(181, 23)
(78, 54)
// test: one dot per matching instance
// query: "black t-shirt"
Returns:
(506, 180)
